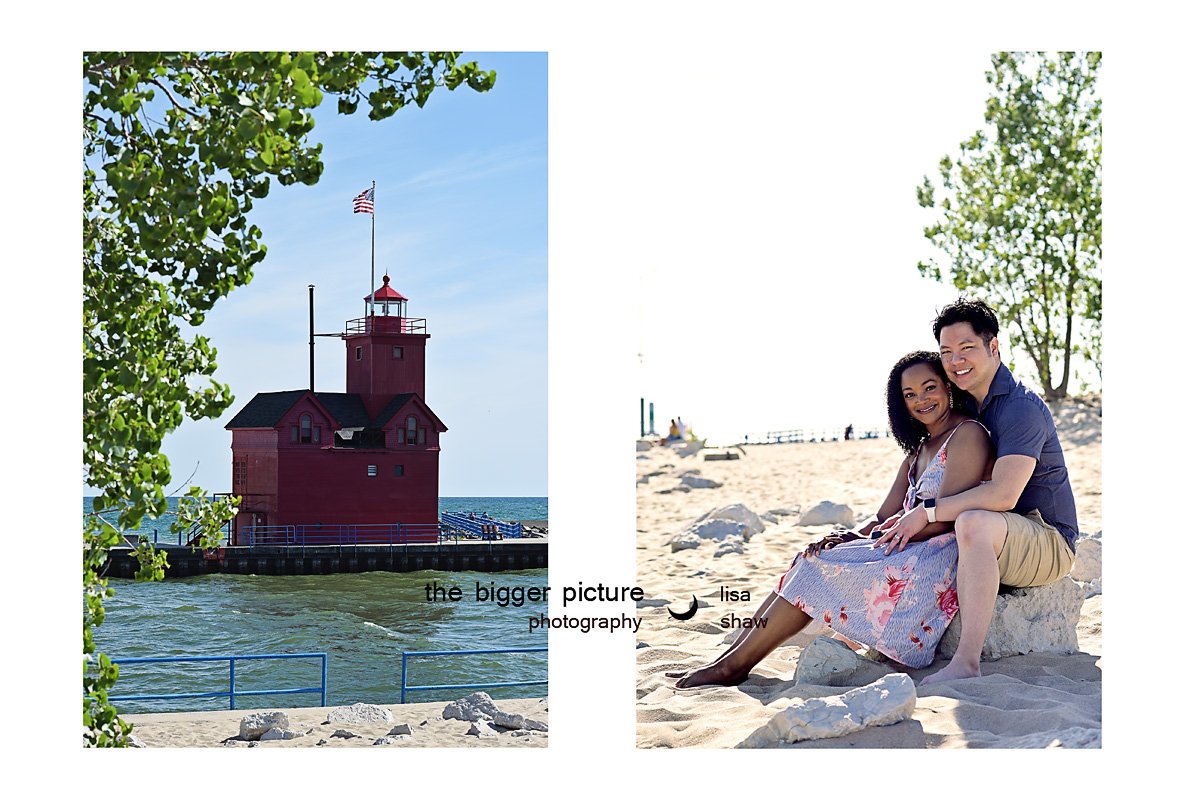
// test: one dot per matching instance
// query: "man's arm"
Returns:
(1008, 479)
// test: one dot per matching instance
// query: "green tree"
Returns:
(176, 148)
(1020, 222)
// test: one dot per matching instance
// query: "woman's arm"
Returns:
(967, 460)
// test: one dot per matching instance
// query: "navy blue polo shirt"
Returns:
(1021, 425)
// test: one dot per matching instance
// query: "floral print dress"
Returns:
(898, 604)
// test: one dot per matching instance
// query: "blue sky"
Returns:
(461, 227)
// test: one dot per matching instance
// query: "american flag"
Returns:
(365, 202)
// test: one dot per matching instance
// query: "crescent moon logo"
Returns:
(689, 613)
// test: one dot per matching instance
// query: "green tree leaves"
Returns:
(176, 149)
(1020, 219)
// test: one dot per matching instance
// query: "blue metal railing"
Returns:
(165, 537)
(464, 522)
(232, 693)
(405, 688)
(313, 535)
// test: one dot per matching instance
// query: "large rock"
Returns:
(360, 714)
(472, 708)
(258, 723)
(643, 445)
(736, 512)
(888, 700)
(699, 482)
(1039, 619)
(826, 512)
(1088, 560)
(828, 662)
(708, 529)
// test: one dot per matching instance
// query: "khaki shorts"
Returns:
(1034, 553)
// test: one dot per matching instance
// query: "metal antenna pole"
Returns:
(312, 346)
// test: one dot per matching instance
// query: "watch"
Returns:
(930, 508)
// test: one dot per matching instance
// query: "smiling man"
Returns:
(1019, 528)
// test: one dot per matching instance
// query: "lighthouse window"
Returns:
(239, 473)
(420, 439)
(411, 438)
(397, 351)
(316, 434)
(357, 353)
(305, 429)
(398, 470)
(372, 470)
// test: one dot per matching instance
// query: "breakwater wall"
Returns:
(501, 556)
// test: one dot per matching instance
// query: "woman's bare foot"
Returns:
(952, 672)
(712, 675)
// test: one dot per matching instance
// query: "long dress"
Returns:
(899, 604)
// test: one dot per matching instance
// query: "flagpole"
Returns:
(371, 294)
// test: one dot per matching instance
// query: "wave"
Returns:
(388, 631)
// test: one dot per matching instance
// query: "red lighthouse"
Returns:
(316, 466)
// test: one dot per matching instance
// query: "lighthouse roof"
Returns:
(386, 292)
(266, 409)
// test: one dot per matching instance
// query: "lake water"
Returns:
(363, 621)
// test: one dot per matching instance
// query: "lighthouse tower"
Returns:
(385, 350)
(307, 462)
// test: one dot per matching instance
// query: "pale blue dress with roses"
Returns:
(898, 604)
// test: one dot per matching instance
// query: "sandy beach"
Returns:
(1027, 701)
(429, 729)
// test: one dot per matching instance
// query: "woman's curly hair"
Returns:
(908, 431)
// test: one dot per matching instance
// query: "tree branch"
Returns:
(175, 102)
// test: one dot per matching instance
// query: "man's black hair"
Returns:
(907, 430)
(975, 312)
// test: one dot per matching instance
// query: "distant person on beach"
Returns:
(673, 435)
(1019, 529)
(854, 582)
(849, 431)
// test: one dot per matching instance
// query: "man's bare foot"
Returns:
(711, 675)
(952, 672)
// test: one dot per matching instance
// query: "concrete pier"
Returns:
(501, 556)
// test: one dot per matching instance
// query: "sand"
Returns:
(1031, 701)
(211, 728)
